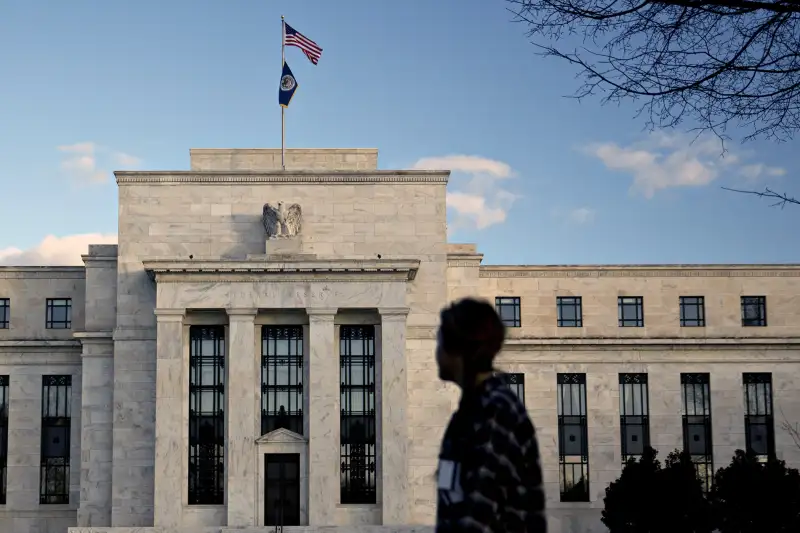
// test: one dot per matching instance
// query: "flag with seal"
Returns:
(287, 86)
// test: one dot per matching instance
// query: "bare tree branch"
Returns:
(719, 63)
(782, 198)
(792, 430)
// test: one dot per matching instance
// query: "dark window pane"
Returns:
(570, 314)
(3, 437)
(692, 309)
(358, 421)
(573, 445)
(55, 440)
(634, 412)
(516, 383)
(696, 415)
(5, 313)
(282, 378)
(509, 309)
(630, 311)
(58, 313)
(758, 418)
(754, 311)
(206, 415)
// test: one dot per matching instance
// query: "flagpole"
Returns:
(283, 109)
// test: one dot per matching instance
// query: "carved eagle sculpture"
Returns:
(282, 220)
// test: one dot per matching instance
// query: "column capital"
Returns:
(321, 312)
(169, 315)
(393, 313)
(242, 313)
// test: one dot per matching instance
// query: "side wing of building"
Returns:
(612, 358)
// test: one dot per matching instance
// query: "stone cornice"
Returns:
(393, 313)
(640, 271)
(40, 344)
(199, 270)
(327, 177)
(42, 272)
(653, 343)
(99, 337)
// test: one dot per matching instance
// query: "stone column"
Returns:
(242, 417)
(169, 453)
(394, 424)
(323, 419)
(97, 398)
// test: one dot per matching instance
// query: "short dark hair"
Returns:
(472, 329)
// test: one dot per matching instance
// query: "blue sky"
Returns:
(88, 87)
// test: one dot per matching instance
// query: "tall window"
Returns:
(5, 312)
(693, 311)
(759, 425)
(516, 383)
(573, 442)
(357, 444)
(58, 313)
(56, 424)
(754, 310)
(696, 414)
(509, 309)
(3, 438)
(570, 314)
(206, 415)
(630, 311)
(282, 378)
(634, 415)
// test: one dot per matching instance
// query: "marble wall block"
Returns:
(97, 382)
(323, 418)
(170, 370)
(24, 439)
(393, 401)
(242, 414)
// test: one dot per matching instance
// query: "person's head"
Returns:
(470, 336)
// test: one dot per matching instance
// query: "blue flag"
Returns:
(287, 86)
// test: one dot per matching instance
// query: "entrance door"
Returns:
(282, 489)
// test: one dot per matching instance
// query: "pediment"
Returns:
(280, 435)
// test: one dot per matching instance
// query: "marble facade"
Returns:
(373, 250)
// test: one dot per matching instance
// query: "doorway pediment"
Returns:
(281, 435)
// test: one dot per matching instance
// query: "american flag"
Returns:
(292, 37)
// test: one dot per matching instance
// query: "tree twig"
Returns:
(782, 198)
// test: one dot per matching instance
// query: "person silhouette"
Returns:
(489, 477)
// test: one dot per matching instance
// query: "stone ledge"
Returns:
(677, 343)
(319, 177)
(42, 272)
(232, 271)
(640, 271)
(34, 344)
(265, 529)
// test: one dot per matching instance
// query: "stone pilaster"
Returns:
(323, 419)
(242, 418)
(97, 397)
(24, 439)
(169, 453)
(393, 401)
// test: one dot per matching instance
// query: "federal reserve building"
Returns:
(257, 354)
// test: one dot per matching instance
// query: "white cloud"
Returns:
(469, 164)
(576, 215)
(475, 192)
(81, 161)
(127, 160)
(581, 215)
(662, 161)
(54, 250)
